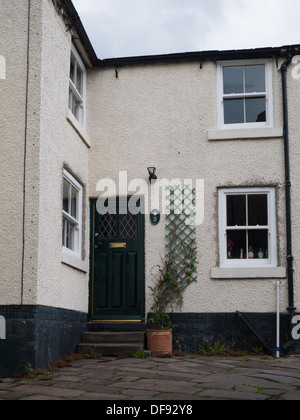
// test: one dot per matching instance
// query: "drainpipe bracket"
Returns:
(292, 310)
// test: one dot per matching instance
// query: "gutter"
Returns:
(290, 258)
(199, 56)
(79, 28)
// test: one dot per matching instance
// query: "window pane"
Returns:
(234, 111)
(74, 105)
(74, 203)
(236, 210)
(68, 235)
(233, 80)
(72, 69)
(71, 236)
(79, 80)
(236, 244)
(64, 232)
(258, 210)
(255, 79)
(256, 110)
(258, 243)
(66, 196)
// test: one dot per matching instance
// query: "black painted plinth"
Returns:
(235, 331)
(38, 335)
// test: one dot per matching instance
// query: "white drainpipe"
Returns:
(278, 322)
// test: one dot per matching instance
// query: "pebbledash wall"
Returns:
(165, 115)
(155, 113)
(44, 295)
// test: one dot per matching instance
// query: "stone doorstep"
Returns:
(110, 337)
(109, 349)
(111, 343)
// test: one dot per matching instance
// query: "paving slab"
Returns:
(189, 378)
(232, 395)
(291, 396)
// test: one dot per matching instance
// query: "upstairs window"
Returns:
(77, 87)
(245, 94)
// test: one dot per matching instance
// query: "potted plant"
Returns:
(167, 296)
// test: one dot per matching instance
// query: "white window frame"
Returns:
(268, 94)
(73, 91)
(77, 252)
(271, 262)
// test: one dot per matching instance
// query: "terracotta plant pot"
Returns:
(160, 342)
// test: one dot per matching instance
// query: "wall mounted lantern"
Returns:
(152, 174)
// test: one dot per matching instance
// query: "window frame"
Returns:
(77, 222)
(271, 262)
(268, 94)
(74, 92)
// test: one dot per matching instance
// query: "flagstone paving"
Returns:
(178, 379)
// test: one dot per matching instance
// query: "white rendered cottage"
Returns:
(76, 128)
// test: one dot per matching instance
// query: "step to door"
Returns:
(109, 349)
(111, 343)
(111, 337)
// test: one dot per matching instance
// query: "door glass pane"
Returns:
(233, 111)
(236, 210)
(108, 226)
(255, 79)
(256, 110)
(258, 243)
(236, 244)
(258, 210)
(233, 80)
(128, 226)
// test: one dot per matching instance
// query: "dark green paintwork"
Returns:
(117, 289)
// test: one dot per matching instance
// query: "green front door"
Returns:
(117, 264)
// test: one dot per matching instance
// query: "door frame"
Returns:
(93, 202)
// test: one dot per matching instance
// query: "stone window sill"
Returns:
(78, 128)
(245, 134)
(248, 273)
(74, 262)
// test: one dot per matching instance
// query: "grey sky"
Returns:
(119, 28)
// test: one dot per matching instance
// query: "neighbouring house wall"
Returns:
(59, 285)
(38, 275)
(43, 300)
(159, 115)
(19, 120)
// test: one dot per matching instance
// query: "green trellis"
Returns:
(181, 248)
